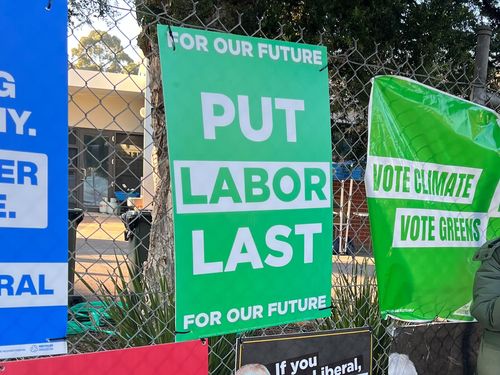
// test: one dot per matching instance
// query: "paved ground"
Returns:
(100, 247)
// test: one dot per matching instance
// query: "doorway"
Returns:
(103, 164)
(97, 168)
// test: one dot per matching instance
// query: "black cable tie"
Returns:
(57, 339)
(326, 308)
(326, 66)
(49, 5)
(181, 332)
(171, 36)
(203, 341)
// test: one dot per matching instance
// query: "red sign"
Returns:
(187, 358)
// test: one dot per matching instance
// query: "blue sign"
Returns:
(33, 178)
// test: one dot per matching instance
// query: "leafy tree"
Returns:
(82, 10)
(415, 36)
(418, 36)
(103, 52)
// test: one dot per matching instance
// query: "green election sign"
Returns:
(250, 153)
(432, 180)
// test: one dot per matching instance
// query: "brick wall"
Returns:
(359, 226)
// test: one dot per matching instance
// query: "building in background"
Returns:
(106, 136)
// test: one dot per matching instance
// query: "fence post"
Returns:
(478, 94)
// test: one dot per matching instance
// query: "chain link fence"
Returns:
(113, 167)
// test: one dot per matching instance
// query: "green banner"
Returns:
(432, 181)
(250, 157)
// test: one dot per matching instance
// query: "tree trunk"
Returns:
(161, 249)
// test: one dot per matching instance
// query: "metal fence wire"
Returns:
(117, 157)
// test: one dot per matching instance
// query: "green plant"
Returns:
(138, 315)
(222, 354)
(135, 313)
(355, 304)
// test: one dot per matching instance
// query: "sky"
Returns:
(124, 26)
